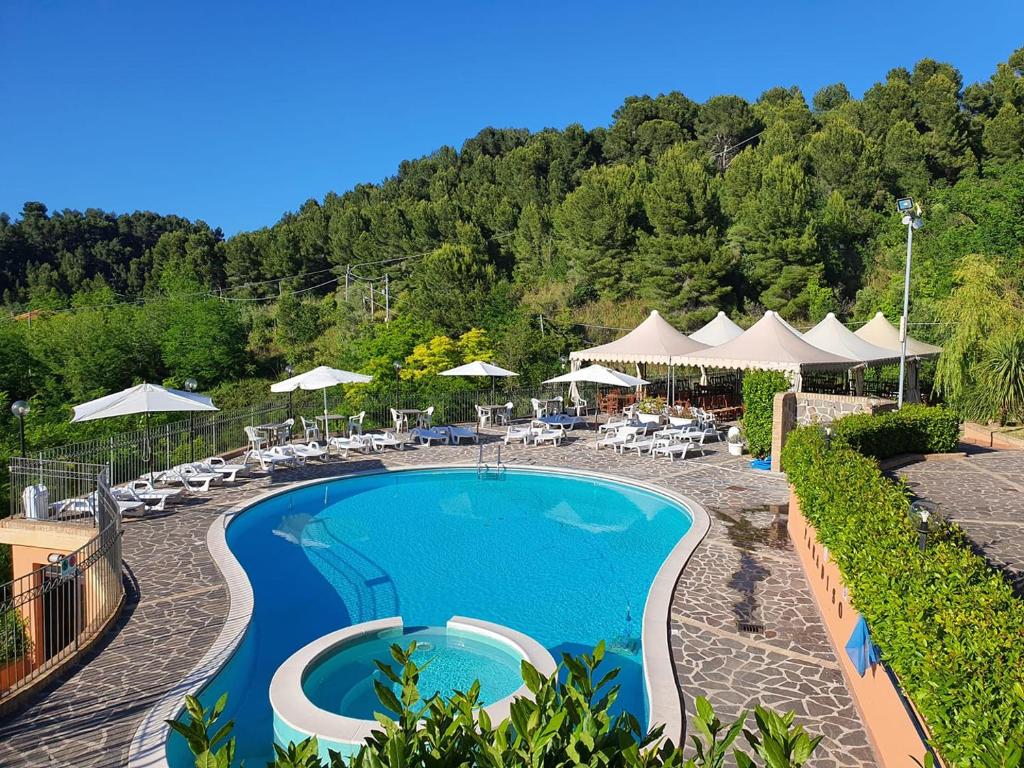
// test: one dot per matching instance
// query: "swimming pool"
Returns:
(566, 559)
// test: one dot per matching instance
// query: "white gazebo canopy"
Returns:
(882, 333)
(769, 344)
(832, 336)
(655, 340)
(717, 331)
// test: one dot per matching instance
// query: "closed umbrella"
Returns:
(479, 368)
(321, 377)
(145, 399)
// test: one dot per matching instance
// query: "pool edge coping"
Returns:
(664, 695)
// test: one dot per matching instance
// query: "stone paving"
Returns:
(743, 624)
(984, 495)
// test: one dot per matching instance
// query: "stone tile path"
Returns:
(984, 494)
(745, 572)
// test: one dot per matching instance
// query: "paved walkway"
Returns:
(744, 626)
(984, 494)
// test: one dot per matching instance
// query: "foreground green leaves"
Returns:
(567, 722)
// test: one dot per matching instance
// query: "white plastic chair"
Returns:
(539, 409)
(400, 420)
(505, 416)
(355, 423)
(312, 431)
(256, 440)
(483, 415)
(425, 419)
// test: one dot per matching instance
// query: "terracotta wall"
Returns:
(891, 726)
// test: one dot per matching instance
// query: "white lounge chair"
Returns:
(612, 426)
(343, 445)
(563, 420)
(672, 450)
(310, 450)
(385, 440)
(541, 432)
(641, 446)
(457, 434)
(190, 478)
(267, 461)
(427, 436)
(287, 453)
(518, 434)
(617, 438)
(155, 501)
(230, 469)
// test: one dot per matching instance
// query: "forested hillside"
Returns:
(542, 240)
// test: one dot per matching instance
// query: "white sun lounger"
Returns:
(563, 420)
(672, 450)
(310, 450)
(457, 434)
(343, 445)
(190, 478)
(640, 446)
(268, 461)
(427, 435)
(155, 501)
(617, 438)
(386, 440)
(518, 434)
(288, 454)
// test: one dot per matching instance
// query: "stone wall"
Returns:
(813, 408)
(798, 409)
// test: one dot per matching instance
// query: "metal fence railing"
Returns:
(42, 489)
(56, 610)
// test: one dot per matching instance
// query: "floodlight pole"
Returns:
(912, 221)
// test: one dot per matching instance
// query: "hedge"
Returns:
(946, 623)
(759, 389)
(912, 429)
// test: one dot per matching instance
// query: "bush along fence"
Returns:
(946, 623)
(759, 390)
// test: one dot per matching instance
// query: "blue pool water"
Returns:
(342, 681)
(567, 560)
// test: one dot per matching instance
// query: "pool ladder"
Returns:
(483, 469)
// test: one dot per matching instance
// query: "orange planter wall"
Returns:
(891, 727)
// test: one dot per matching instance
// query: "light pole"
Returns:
(20, 408)
(289, 370)
(920, 511)
(912, 220)
(191, 385)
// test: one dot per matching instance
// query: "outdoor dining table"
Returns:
(409, 414)
(271, 431)
(327, 418)
(492, 410)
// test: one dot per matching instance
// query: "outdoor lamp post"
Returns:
(288, 369)
(398, 384)
(191, 385)
(20, 408)
(912, 220)
(920, 511)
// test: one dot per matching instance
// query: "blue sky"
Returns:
(237, 112)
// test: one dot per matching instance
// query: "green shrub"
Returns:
(912, 429)
(946, 623)
(759, 390)
(566, 722)
(14, 639)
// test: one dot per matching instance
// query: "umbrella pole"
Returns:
(327, 422)
(149, 444)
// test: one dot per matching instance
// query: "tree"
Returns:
(451, 287)
(1004, 134)
(723, 123)
(598, 225)
(830, 97)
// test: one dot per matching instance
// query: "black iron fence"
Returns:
(56, 610)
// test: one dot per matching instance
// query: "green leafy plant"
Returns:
(912, 429)
(14, 639)
(759, 390)
(946, 623)
(212, 747)
(566, 721)
(651, 405)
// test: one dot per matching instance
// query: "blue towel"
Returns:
(765, 463)
(861, 650)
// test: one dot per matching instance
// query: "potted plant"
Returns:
(734, 441)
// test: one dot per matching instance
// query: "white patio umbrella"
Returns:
(598, 374)
(321, 377)
(479, 368)
(145, 399)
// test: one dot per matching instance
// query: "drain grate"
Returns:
(750, 627)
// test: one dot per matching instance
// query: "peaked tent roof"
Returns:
(655, 340)
(882, 333)
(769, 344)
(717, 331)
(834, 337)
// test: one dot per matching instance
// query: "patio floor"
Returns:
(744, 573)
(984, 494)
